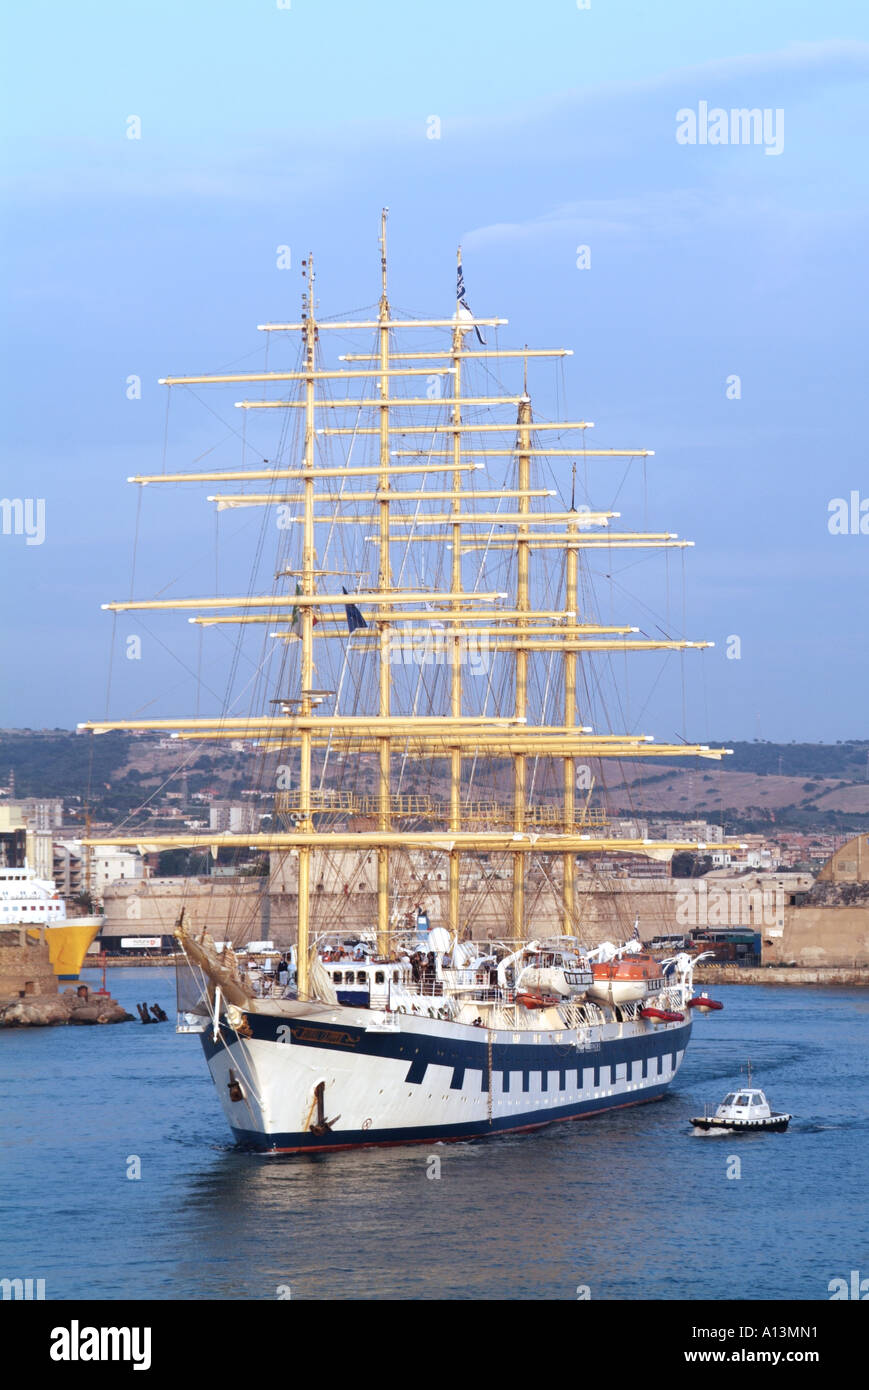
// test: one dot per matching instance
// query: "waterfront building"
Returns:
(107, 865)
(234, 816)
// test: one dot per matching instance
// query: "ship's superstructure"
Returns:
(434, 627)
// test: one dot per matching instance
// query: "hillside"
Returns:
(795, 785)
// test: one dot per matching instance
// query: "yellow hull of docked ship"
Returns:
(68, 944)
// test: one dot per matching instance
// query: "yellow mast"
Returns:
(455, 585)
(384, 583)
(521, 689)
(307, 633)
(569, 861)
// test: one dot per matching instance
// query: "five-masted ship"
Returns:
(431, 629)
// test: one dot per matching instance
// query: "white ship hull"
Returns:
(405, 1079)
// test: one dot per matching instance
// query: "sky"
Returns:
(265, 124)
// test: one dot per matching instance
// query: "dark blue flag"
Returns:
(460, 296)
(355, 619)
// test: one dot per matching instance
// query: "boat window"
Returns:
(756, 1100)
(395, 977)
(349, 977)
(728, 1100)
(336, 977)
(743, 1100)
(379, 977)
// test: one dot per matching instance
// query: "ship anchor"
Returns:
(323, 1125)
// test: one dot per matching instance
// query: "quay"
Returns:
(848, 975)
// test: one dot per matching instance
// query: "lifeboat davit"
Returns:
(662, 1015)
(626, 979)
(704, 1003)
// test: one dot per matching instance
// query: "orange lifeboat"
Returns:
(537, 1001)
(626, 980)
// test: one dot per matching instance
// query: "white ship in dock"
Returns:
(424, 517)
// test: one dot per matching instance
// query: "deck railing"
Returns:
(408, 805)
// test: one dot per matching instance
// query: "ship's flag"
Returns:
(296, 616)
(355, 619)
(462, 302)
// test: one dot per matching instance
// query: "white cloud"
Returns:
(591, 123)
(672, 216)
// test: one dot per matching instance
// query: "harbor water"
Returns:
(118, 1178)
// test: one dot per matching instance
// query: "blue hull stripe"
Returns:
(305, 1142)
(420, 1051)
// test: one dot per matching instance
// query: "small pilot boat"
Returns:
(745, 1109)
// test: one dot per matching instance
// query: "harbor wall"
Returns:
(713, 975)
(821, 936)
(226, 907)
(238, 909)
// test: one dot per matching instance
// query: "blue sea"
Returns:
(634, 1205)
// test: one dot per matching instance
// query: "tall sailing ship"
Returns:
(429, 633)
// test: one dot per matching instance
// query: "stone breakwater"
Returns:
(50, 1010)
(782, 975)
